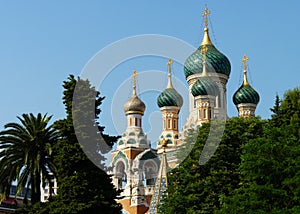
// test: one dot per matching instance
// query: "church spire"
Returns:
(206, 40)
(205, 15)
(134, 75)
(169, 64)
(134, 105)
(244, 60)
(161, 184)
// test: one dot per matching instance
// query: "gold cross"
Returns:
(244, 60)
(170, 62)
(134, 75)
(205, 14)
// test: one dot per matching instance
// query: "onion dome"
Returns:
(134, 105)
(169, 97)
(217, 62)
(245, 94)
(205, 86)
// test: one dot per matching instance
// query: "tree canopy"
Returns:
(83, 187)
(27, 154)
(256, 167)
(270, 167)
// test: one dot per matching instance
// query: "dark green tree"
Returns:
(26, 154)
(83, 187)
(195, 188)
(277, 113)
(270, 168)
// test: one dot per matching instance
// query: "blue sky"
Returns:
(42, 42)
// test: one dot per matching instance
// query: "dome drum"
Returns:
(216, 77)
(205, 86)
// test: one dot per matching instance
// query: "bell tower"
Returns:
(134, 164)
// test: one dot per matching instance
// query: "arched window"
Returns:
(131, 141)
(204, 113)
(120, 174)
(150, 173)
(169, 123)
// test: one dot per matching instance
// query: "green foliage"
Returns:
(256, 168)
(287, 111)
(26, 154)
(195, 188)
(270, 168)
(82, 186)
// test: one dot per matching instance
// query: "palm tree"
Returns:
(26, 154)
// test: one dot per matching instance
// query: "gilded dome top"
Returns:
(205, 86)
(216, 61)
(134, 106)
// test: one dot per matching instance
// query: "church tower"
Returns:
(246, 98)
(169, 103)
(218, 69)
(161, 184)
(204, 91)
(134, 164)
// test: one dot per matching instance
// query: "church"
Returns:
(141, 171)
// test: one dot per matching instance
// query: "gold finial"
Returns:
(204, 50)
(169, 64)
(134, 75)
(205, 15)
(244, 60)
(206, 40)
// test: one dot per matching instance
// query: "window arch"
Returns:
(121, 175)
(149, 172)
(204, 113)
(131, 141)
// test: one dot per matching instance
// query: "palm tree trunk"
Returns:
(35, 189)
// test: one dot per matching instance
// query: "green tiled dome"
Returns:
(169, 97)
(205, 86)
(216, 62)
(245, 94)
